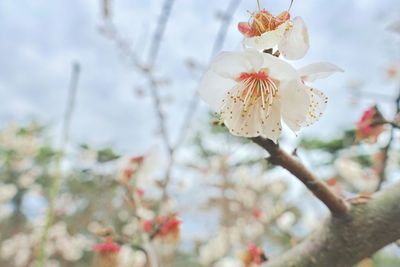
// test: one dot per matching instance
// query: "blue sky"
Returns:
(40, 39)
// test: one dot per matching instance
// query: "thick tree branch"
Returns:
(344, 241)
(335, 203)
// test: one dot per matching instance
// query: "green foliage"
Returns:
(383, 259)
(106, 155)
(331, 146)
(45, 155)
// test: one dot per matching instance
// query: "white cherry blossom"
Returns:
(265, 31)
(254, 91)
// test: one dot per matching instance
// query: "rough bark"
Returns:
(344, 241)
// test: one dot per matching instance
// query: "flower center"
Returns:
(264, 21)
(255, 86)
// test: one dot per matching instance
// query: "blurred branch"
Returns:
(153, 53)
(70, 102)
(335, 204)
(159, 32)
(344, 241)
(218, 43)
(223, 29)
(147, 70)
(107, 12)
(56, 182)
(386, 149)
(226, 20)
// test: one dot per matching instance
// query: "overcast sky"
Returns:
(40, 39)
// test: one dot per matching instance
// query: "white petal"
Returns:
(253, 122)
(268, 39)
(295, 105)
(213, 87)
(394, 27)
(294, 44)
(231, 64)
(318, 102)
(278, 69)
(273, 127)
(318, 70)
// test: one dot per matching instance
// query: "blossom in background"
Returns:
(228, 262)
(107, 253)
(393, 71)
(257, 213)
(130, 168)
(148, 226)
(169, 226)
(357, 176)
(140, 192)
(253, 91)
(7, 192)
(107, 246)
(370, 125)
(253, 256)
(165, 227)
(265, 31)
(335, 185)
(127, 257)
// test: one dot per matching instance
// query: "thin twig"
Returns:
(55, 185)
(193, 103)
(159, 32)
(218, 43)
(223, 29)
(335, 204)
(147, 70)
(70, 103)
(151, 60)
(153, 54)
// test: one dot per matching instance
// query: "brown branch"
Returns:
(335, 204)
(344, 241)
(382, 168)
(386, 149)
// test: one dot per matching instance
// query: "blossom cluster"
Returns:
(254, 89)
(167, 227)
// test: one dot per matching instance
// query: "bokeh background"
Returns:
(114, 117)
(41, 39)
